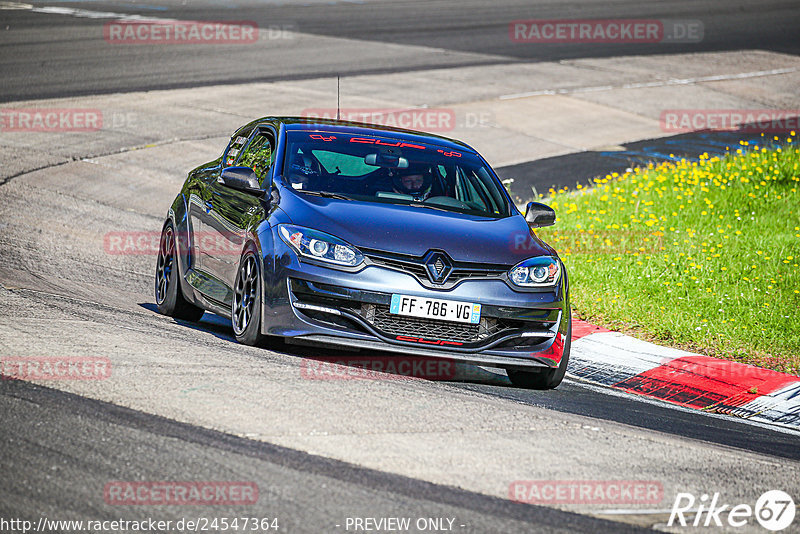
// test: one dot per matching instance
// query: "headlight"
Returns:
(543, 271)
(319, 245)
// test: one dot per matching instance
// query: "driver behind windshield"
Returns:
(415, 181)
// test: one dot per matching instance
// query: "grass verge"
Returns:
(703, 255)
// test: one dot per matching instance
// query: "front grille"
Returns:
(415, 266)
(399, 325)
(417, 269)
(463, 273)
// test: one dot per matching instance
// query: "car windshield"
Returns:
(385, 170)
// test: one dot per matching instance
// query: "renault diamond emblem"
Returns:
(438, 265)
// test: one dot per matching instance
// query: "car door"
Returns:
(199, 208)
(231, 213)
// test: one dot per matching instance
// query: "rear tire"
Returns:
(168, 294)
(246, 302)
(549, 378)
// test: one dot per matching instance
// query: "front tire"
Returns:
(549, 378)
(168, 294)
(246, 302)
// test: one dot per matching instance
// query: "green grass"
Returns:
(703, 255)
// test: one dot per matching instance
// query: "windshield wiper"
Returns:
(326, 194)
(422, 204)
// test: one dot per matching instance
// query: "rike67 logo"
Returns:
(774, 510)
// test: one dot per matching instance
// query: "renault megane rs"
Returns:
(347, 234)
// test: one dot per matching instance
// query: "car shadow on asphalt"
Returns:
(571, 397)
(329, 363)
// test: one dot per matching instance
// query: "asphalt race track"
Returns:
(61, 56)
(306, 493)
(185, 402)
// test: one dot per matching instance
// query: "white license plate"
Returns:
(446, 310)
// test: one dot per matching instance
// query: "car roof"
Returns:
(360, 128)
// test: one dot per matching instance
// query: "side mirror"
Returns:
(538, 215)
(242, 179)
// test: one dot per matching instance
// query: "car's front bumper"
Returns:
(314, 304)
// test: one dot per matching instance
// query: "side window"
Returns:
(484, 195)
(476, 198)
(238, 141)
(461, 191)
(259, 153)
(467, 191)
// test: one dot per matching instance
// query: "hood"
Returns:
(415, 230)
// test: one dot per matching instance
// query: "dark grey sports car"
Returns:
(340, 233)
